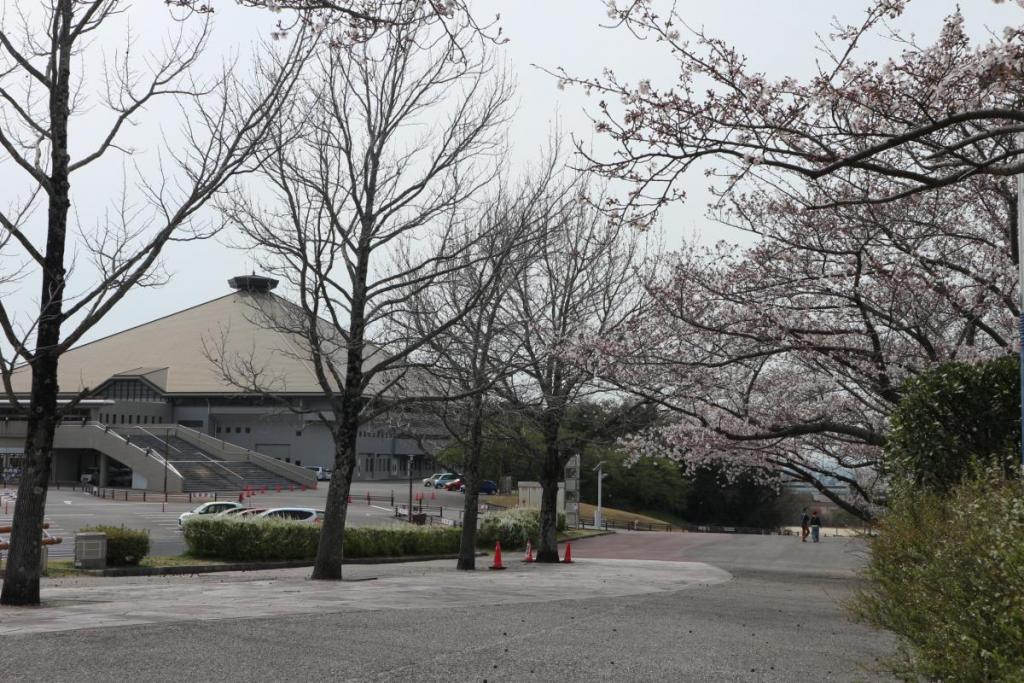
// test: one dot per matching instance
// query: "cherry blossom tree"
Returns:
(787, 357)
(900, 144)
(932, 117)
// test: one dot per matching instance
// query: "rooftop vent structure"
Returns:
(252, 283)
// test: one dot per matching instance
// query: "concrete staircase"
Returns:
(201, 469)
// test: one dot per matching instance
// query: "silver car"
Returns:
(214, 507)
(305, 515)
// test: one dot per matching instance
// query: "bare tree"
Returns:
(45, 56)
(583, 283)
(394, 139)
(357, 21)
(464, 365)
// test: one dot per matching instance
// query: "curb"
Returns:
(252, 566)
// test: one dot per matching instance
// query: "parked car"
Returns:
(486, 486)
(454, 484)
(306, 515)
(322, 473)
(90, 476)
(214, 507)
(431, 480)
(242, 512)
(445, 479)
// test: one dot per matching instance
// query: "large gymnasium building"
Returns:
(160, 414)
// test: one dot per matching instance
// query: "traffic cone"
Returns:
(529, 551)
(433, 495)
(303, 487)
(568, 554)
(279, 487)
(497, 557)
(349, 501)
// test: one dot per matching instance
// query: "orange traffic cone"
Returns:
(529, 551)
(568, 554)
(433, 495)
(497, 557)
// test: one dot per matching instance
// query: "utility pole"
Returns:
(598, 521)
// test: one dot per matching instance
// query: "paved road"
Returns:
(69, 511)
(596, 620)
(736, 552)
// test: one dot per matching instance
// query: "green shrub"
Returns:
(270, 540)
(953, 418)
(125, 546)
(947, 576)
(512, 528)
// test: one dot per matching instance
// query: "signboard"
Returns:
(572, 492)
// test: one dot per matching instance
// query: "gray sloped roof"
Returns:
(174, 351)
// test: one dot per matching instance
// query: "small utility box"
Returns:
(91, 550)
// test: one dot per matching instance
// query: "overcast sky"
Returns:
(777, 36)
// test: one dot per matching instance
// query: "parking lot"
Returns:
(70, 511)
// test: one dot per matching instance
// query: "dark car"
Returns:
(486, 486)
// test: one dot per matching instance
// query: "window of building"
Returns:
(298, 462)
(298, 432)
(218, 429)
(246, 430)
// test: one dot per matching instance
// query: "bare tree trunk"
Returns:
(471, 471)
(21, 579)
(550, 473)
(331, 552)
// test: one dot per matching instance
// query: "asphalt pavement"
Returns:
(756, 616)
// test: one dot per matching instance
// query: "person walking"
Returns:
(805, 525)
(815, 527)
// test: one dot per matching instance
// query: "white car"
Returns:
(212, 508)
(432, 479)
(322, 473)
(305, 515)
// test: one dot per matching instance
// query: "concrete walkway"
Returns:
(80, 603)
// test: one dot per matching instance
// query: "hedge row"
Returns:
(125, 547)
(268, 540)
(512, 528)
